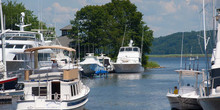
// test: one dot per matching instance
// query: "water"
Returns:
(146, 91)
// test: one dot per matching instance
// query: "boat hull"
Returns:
(181, 103)
(209, 103)
(8, 83)
(128, 68)
(90, 69)
(40, 104)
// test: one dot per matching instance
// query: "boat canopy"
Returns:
(188, 72)
(50, 47)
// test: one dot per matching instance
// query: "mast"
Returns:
(142, 43)
(205, 45)
(181, 60)
(3, 42)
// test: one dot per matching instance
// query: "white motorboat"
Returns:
(128, 60)
(91, 65)
(52, 89)
(16, 41)
(187, 95)
(210, 89)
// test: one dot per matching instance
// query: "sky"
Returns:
(164, 17)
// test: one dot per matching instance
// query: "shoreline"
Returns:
(178, 55)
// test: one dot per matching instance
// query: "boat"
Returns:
(17, 41)
(210, 89)
(91, 65)
(8, 79)
(106, 61)
(52, 89)
(186, 98)
(128, 60)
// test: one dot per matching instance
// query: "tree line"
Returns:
(193, 43)
(101, 29)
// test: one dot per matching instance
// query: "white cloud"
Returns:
(59, 14)
(152, 18)
(169, 7)
(135, 1)
(83, 2)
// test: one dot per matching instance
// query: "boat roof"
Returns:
(50, 47)
(188, 72)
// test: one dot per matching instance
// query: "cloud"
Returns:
(135, 1)
(61, 9)
(59, 14)
(153, 18)
(169, 7)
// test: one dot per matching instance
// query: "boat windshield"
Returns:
(122, 49)
(135, 49)
(128, 49)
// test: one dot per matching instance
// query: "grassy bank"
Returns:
(152, 64)
(178, 55)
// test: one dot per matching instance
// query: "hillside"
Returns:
(192, 43)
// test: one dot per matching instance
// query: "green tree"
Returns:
(103, 27)
(12, 12)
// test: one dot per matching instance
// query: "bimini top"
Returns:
(188, 72)
(49, 47)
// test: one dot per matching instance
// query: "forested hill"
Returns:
(192, 43)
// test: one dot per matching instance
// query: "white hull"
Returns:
(51, 105)
(182, 103)
(209, 103)
(128, 68)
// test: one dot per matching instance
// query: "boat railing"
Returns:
(56, 97)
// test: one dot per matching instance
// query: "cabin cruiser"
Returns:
(128, 60)
(54, 88)
(16, 41)
(210, 89)
(91, 65)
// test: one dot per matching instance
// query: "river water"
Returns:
(143, 91)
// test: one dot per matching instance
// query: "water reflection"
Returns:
(128, 76)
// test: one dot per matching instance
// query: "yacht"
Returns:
(91, 65)
(52, 89)
(187, 95)
(128, 60)
(17, 41)
(210, 89)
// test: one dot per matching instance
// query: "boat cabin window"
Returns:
(74, 89)
(44, 57)
(20, 56)
(9, 46)
(19, 46)
(135, 49)
(28, 46)
(43, 91)
(122, 49)
(128, 49)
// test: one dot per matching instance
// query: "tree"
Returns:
(12, 12)
(103, 27)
